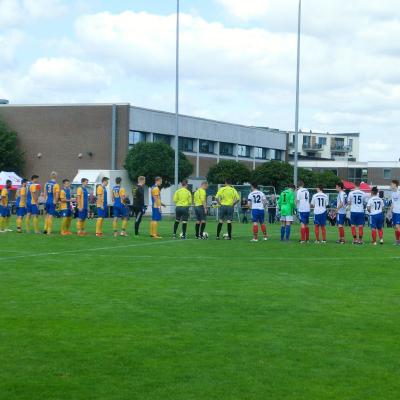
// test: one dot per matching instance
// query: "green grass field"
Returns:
(132, 318)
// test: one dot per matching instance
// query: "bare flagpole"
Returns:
(176, 180)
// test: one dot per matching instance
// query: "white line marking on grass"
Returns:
(58, 253)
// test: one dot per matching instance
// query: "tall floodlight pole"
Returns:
(296, 133)
(176, 180)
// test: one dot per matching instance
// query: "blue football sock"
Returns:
(282, 232)
(288, 232)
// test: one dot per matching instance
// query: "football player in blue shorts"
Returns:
(375, 207)
(257, 202)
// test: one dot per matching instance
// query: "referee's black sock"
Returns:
(230, 229)
(197, 230)
(219, 229)
(184, 227)
(176, 227)
(202, 229)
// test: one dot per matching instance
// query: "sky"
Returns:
(238, 61)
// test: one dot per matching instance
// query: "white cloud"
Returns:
(246, 9)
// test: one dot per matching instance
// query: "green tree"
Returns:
(237, 172)
(274, 173)
(11, 157)
(327, 179)
(156, 159)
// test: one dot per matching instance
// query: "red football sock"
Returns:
(360, 232)
(255, 231)
(323, 228)
(307, 233)
(353, 232)
(380, 233)
(397, 235)
(264, 229)
(316, 232)
(341, 233)
(374, 235)
(303, 234)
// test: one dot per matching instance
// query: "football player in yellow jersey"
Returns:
(156, 207)
(32, 204)
(82, 202)
(183, 201)
(120, 209)
(200, 209)
(227, 197)
(65, 208)
(102, 206)
(51, 197)
(5, 207)
(21, 204)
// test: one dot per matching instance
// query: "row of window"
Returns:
(208, 146)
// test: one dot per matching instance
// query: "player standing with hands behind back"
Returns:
(357, 214)
(287, 205)
(375, 207)
(257, 202)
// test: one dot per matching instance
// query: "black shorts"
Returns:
(182, 214)
(200, 213)
(226, 213)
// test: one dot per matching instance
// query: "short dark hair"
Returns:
(8, 182)
(84, 180)
(374, 190)
(157, 178)
(292, 186)
(118, 180)
(24, 180)
(65, 180)
(105, 179)
(184, 182)
(228, 181)
(396, 182)
(301, 183)
(34, 177)
(341, 185)
(321, 188)
(254, 185)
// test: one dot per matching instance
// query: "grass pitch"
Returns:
(133, 318)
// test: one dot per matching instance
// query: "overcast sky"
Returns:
(238, 60)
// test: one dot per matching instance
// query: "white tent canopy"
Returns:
(13, 177)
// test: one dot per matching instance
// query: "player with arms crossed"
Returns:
(120, 210)
(200, 209)
(286, 205)
(356, 201)
(303, 208)
(51, 197)
(138, 202)
(82, 200)
(65, 208)
(375, 207)
(319, 203)
(257, 202)
(341, 211)
(227, 197)
(102, 206)
(396, 209)
(21, 204)
(32, 204)
(183, 201)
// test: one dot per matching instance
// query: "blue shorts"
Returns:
(340, 219)
(320, 219)
(120, 212)
(82, 215)
(156, 214)
(357, 219)
(304, 217)
(32, 209)
(258, 216)
(21, 211)
(396, 219)
(66, 213)
(102, 212)
(5, 212)
(377, 221)
(51, 209)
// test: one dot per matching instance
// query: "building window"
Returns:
(186, 144)
(206, 146)
(358, 175)
(307, 140)
(243, 151)
(322, 141)
(351, 144)
(158, 137)
(226, 149)
(260, 153)
(136, 137)
(387, 174)
(278, 154)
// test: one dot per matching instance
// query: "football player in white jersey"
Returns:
(356, 202)
(396, 209)
(319, 203)
(257, 202)
(375, 207)
(303, 208)
(341, 211)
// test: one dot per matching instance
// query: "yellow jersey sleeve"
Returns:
(4, 197)
(155, 191)
(122, 192)
(56, 188)
(79, 193)
(33, 189)
(100, 196)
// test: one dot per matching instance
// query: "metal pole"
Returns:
(296, 133)
(176, 180)
(113, 136)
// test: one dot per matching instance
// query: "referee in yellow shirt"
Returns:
(183, 201)
(200, 209)
(227, 197)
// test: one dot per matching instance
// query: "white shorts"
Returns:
(288, 218)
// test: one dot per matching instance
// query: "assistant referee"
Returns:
(183, 201)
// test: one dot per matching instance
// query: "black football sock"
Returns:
(203, 227)
(230, 229)
(176, 227)
(184, 227)
(197, 230)
(219, 229)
